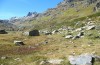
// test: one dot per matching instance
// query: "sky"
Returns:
(20, 8)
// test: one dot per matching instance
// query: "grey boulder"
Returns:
(84, 59)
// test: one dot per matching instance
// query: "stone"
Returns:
(75, 37)
(18, 43)
(55, 31)
(48, 33)
(79, 29)
(18, 59)
(90, 27)
(83, 59)
(55, 61)
(3, 58)
(43, 62)
(68, 36)
(80, 34)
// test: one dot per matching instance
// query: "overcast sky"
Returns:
(19, 8)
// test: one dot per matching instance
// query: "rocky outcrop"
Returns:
(32, 14)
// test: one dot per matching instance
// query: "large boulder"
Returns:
(84, 59)
(32, 33)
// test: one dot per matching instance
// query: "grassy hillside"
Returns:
(55, 46)
(59, 18)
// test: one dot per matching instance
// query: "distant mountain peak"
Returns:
(32, 14)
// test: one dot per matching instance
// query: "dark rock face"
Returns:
(29, 14)
(3, 32)
(32, 14)
(6, 25)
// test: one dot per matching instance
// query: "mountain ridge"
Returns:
(65, 10)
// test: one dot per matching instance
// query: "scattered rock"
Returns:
(90, 27)
(45, 42)
(80, 34)
(55, 61)
(79, 29)
(68, 36)
(55, 31)
(48, 33)
(17, 59)
(43, 62)
(75, 37)
(18, 43)
(3, 58)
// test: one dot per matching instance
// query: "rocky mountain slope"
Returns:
(4, 24)
(64, 12)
